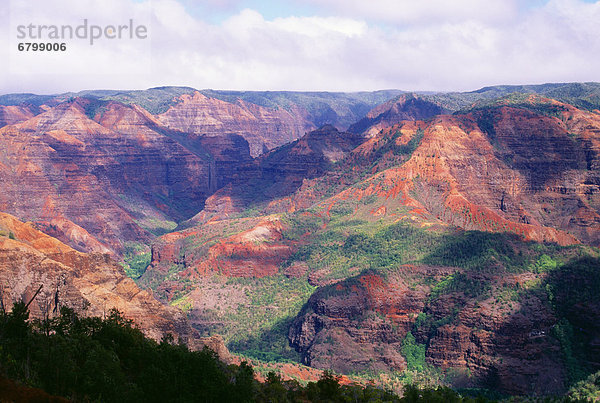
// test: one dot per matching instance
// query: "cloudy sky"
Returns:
(333, 45)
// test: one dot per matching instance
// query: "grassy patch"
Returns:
(258, 328)
(157, 226)
(184, 303)
(136, 259)
(270, 345)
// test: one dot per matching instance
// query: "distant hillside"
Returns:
(582, 95)
(340, 109)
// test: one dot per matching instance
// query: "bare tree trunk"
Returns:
(34, 295)
(2, 309)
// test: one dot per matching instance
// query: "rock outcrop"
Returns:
(258, 249)
(360, 324)
(91, 284)
(256, 252)
(405, 107)
(451, 171)
(263, 128)
(9, 115)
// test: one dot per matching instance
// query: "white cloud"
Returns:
(424, 45)
(423, 12)
(318, 26)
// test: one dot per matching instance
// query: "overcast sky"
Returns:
(332, 45)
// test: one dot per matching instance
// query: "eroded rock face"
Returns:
(263, 128)
(96, 185)
(9, 115)
(555, 160)
(222, 153)
(91, 284)
(256, 252)
(360, 323)
(465, 170)
(310, 156)
(405, 107)
(499, 169)
(279, 173)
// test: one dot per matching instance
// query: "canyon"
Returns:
(336, 230)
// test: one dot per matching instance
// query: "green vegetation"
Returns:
(252, 314)
(24, 99)
(563, 332)
(522, 101)
(136, 259)
(299, 225)
(575, 283)
(470, 287)
(184, 303)
(389, 144)
(154, 100)
(587, 390)
(269, 345)
(412, 145)
(109, 360)
(441, 394)
(582, 95)
(544, 264)
(157, 226)
(135, 265)
(258, 329)
(477, 249)
(94, 107)
(7, 233)
(486, 120)
(414, 353)
(574, 287)
(349, 107)
(349, 244)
